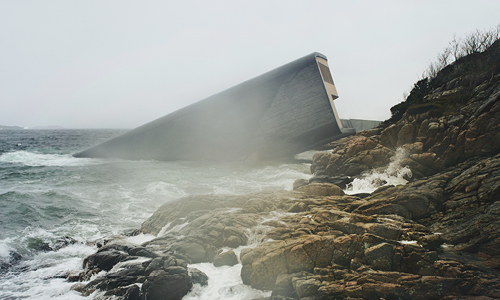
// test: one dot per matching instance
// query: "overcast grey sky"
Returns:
(120, 64)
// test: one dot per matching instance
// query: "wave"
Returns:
(394, 174)
(34, 159)
(43, 276)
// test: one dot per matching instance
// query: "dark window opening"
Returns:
(325, 72)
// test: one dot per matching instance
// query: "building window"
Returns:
(325, 72)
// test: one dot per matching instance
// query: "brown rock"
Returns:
(389, 136)
(227, 258)
(406, 135)
(321, 189)
(380, 256)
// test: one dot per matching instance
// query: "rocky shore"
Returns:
(436, 237)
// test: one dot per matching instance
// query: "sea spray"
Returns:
(395, 173)
(225, 282)
(47, 195)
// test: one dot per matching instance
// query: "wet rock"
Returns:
(154, 265)
(305, 287)
(234, 237)
(340, 181)
(194, 252)
(198, 277)
(105, 259)
(131, 292)
(265, 263)
(13, 259)
(299, 182)
(171, 211)
(170, 284)
(227, 258)
(321, 189)
(112, 281)
(64, 242)
(284, 285)
(298, 207)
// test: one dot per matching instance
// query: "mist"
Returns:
(121, 64)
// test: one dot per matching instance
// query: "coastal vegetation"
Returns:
(463, 56)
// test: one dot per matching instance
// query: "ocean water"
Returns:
(54, 207)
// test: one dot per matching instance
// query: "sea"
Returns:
(55, 208)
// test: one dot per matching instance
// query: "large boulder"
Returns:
(172, 283)
(227, 258)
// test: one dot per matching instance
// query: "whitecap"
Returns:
(140, 238)
(34, 159)
(223, 283)
(394, 174)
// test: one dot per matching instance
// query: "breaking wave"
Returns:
(34, 159)
(395, 174)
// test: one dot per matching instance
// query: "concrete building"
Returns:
(280, 113)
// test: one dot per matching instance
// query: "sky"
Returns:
(121, 64)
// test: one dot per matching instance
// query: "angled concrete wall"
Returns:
(280, 113)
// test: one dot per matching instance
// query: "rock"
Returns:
(305, 287)
(340, 181)
(198, 277)
(321, 189)
(64, 242)
(227, 258)
(299, 182)
(154, 265)
(380, 256)
(298, 207)
(389, 136)
(131, 292)
(233, 242)
(105, 259)
(284, 286)
(195, 252)
(234, 237)
(436, 237)
(173, 210)
(406, 135)
(262, 265)
(170, 284)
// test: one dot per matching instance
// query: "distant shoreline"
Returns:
(3, 127)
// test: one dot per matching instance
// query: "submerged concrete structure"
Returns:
(280, 113)
(360, 125)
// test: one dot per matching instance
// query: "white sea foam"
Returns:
(4, 249)
(267, 178)
(223, 283)
(165, 230)
(42, 277)
(34, 159)
(394, 174)
(93, 199)
(140, 238)
(409, 243)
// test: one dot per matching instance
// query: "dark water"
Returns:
(53, 206)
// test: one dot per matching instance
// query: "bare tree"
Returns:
(475, 42)
(432, 70)
(443, 58)
(471, 43)
(455, 48)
